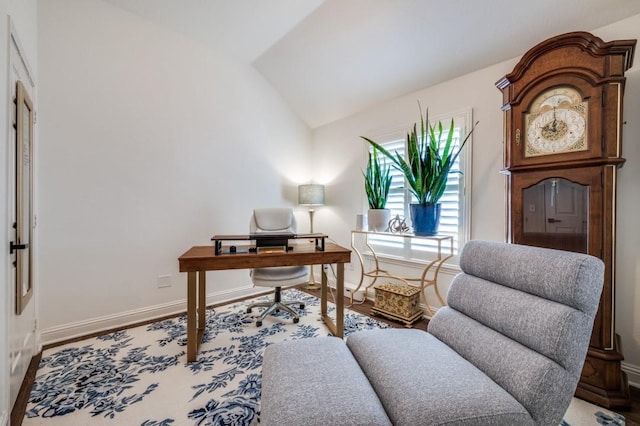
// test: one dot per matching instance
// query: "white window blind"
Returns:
(454, 218)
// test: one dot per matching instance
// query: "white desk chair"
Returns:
(276, 220)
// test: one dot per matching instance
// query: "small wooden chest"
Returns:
(399, 302)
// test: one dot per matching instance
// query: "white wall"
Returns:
(339, 154)
(150, 143)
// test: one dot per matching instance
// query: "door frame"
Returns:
(15, 52)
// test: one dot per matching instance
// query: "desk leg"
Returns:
(336, 328)
(192, 344)
(202, 306)
(202, 299)
(196, 317)
(323, 295)
(340, 301)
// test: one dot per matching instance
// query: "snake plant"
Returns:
(377, 181)
(429, 159)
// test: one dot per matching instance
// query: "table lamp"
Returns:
(311, 195)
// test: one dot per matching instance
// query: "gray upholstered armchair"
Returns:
(507, 350)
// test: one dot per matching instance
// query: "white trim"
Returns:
(13, 33)
(466, 159)
(633, 373)
(107, 322)
(4, 418)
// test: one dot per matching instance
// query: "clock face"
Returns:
(556, 123)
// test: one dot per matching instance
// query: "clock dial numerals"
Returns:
(556, 124)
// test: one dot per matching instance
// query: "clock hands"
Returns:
(555, 128)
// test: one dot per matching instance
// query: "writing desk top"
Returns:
(203, 258)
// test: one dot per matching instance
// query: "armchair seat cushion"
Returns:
(429, 383)
(316, 382)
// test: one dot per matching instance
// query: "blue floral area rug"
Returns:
(584, 413)
(139, 376)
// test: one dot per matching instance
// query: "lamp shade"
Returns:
(311, 195)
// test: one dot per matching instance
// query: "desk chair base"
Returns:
(274, 306)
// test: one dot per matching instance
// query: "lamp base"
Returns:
(312, 284)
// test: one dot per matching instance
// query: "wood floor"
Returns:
(631, 414)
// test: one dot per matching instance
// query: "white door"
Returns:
(20, 304)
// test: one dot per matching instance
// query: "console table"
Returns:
(199, 259)
(430, 272)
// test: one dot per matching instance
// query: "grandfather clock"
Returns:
(562, 108)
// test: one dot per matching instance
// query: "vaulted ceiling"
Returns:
(332, 58)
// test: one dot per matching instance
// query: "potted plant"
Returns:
(377, 182)
(430, 157)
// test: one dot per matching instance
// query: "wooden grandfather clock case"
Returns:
(562, 108)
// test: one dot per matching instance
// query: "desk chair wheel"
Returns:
(248, 310)
(302, 306)
(296, 320)
(258, 323)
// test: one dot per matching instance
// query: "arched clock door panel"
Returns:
(544, 203)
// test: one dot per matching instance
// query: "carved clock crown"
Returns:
(563, 102)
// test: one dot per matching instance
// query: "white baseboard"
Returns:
(633, 373)
(94, 325)
(359, 296)
(349, 289)
(4, 418)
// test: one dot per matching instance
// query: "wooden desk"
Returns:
(199, 259)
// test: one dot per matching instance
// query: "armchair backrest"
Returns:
(523, 315)
(273, 219)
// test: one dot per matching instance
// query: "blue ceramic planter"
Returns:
(425, 219)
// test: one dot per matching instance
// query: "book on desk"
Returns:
(263, 242)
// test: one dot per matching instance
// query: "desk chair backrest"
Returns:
(277, 220)
(274, 219)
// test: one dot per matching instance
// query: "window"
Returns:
(456, 201)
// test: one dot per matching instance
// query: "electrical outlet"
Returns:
(164, 281)
(357, 295)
